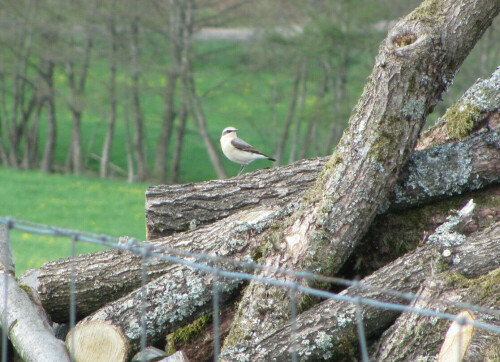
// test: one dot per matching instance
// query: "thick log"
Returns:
(177, 208)
(98, 341)
(328, 330)
(106, 276)
(414, 66)
(26, 323)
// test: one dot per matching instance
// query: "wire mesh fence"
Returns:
(220, 267)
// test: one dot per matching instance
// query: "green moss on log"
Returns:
(460, 120)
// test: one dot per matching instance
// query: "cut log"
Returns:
(26, 323)
(177, 208)
(97, 341)
(328, 330)
(106, 276)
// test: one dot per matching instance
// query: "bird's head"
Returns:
(229, 131)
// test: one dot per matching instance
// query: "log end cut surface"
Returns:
(97, 341)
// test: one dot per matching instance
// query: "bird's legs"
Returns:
(241, 169)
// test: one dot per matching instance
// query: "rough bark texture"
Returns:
(477, 106)
(178, 208)
(328, 330)
(416, 63)
(119, 273)
(26, 323)
(415, 337)
(445, 170)
(183, 293)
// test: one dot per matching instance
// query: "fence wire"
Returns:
(211, 264)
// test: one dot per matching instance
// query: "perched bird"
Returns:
(238, 150)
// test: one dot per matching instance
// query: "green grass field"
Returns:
(81, 203)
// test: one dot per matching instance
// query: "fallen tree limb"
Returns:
(328, 330)
(26, 323)
(105, 276)
(176, 208)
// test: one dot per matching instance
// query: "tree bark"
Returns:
(477, 107)
(328, 330)
(416, 337)
(26, 323)
(429, 175)
(416, 63)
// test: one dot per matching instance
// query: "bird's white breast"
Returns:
(236, 155)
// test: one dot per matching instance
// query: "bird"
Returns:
(238, 150)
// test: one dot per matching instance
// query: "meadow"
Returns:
(79, 203)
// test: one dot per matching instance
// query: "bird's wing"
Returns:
(243, 146)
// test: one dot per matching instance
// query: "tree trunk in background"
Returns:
(17, 128)
(139, 147)
(77, 87)
(194, 104)
(110, 130)
(30, 157)
(179, 140)
(176, 41)
(50, 143)
(278, 154)
(300, 114)
(415, 65)
(315, 118)
(128, 146)
(337, 85)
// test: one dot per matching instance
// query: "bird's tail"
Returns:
(271, 159)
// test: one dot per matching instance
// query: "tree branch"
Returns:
(26, 323)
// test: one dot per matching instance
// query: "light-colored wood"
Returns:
(457, 339)
(27, 324)
(97, 341)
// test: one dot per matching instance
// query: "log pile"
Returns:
(315, 215)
